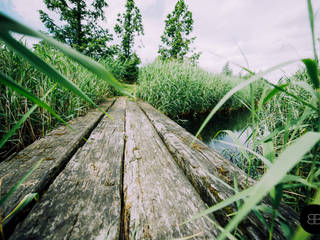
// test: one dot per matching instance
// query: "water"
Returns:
(237, 122)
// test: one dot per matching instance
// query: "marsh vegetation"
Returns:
(284, 151)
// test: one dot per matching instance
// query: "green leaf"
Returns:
(7, 24)
(14, 188)
(284, 163)
(236, 89)
(276, 192)
(268, 150)
(293, 96)
(44, 67)
(273, 92)
(22, 204)
(293, 178)
(312, 70)
(311, 21)
(276, 195)
(222, 204)
(262, 158)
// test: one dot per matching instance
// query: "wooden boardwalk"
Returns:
(134, 178)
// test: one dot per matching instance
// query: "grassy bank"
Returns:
(182, 89)
(13, 106)
(282, 121)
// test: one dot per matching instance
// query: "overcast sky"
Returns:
(267, 31)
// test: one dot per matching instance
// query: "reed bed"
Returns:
(13, 106)
(178, 88)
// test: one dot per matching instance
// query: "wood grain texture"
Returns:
(55, 149)
(84, 200)
(211, 174)
(157, 195)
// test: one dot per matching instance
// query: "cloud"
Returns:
(268, 32)
(28, 10)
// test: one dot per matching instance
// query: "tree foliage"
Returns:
(175, 39)
(78, 25)
(226, 69)
(129, 25)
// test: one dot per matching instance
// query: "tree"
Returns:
(128, 27)
(79, 27)
(176, 40)
(226, 69)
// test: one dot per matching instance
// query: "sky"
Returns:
(251, 33)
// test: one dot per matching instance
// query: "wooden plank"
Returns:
(55, 149)
(84, 200)
(157, 195)
(211, 174)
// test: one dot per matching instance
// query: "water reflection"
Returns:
(237, 122)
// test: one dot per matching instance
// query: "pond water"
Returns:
(237, 122)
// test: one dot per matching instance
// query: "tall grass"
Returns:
(177, 88)
(283, 120)
(13, 106)
(286, 123)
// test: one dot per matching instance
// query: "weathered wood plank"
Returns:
(84, 200)
(55, 149)
(157, 195)
(211, 174)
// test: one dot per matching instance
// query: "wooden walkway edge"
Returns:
(134, 178)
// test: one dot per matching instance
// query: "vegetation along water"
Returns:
(53, 83)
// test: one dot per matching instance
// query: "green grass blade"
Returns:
(90, 64)
(222, 204)
(311, 21)
(268, 150)
(14, 188)
(293, 96)
(45, 67)
(22, 204)
(9, 24)
(262, 158)
(312, 70)
(6, 80)
(273, 92)
(236, 89)
(229, 235)
(284, 163)
(293, 178)
(237, 142)
(243, 152)
(22, 120)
